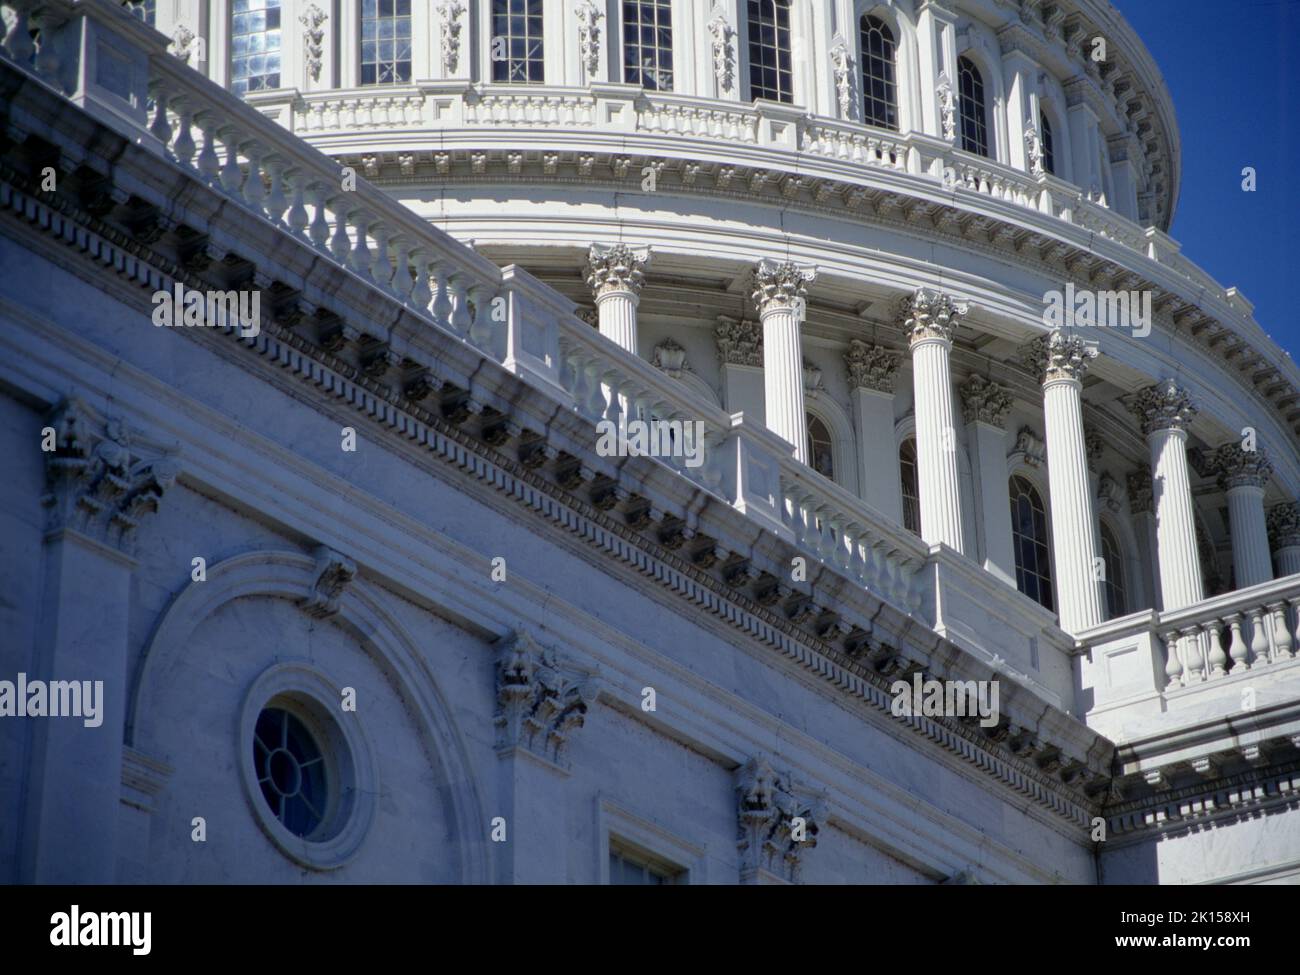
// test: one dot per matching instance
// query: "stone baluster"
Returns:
(1237, 648)
(1218, 659)
(1282, 646)
(209, 164)
(460, 320)
(361, 259)
(276, 200)
(442, 305)
(296, 219)
(381, 266)
(232, 177)
(1258, 637)
(1195, 659)
(422, 292)
(183, 147)
(254, 191)
(1173, 665)
(340, 244)
(161, 128)
(319, 230)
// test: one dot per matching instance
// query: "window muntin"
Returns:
(770, 72)
(290, 771)
(385, 42)
(1048, 146)
(628, 868)
(1029, 539)
(1113, 561)
(907, 472)
(821, 449)
(517, 43)
(971, 108)
(879, 85)
(254, 45)
(648, 44)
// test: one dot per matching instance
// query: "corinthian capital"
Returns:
(984, 401)
(616, 267)
(1284, 524)
(541, 702)
(1057, 356)
(929, 314)
(740, 341)
(778, 285)
(101, 478)
(1141, 491)
(1236, 467)
(779, 822)
(1163, 406)
(871, 366)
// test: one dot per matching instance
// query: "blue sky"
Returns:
(1234, 75)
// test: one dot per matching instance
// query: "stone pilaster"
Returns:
(103, 481)
(872, 371)
(1284, 534)
(1243, 475)
(740, 358)
(1164, 411)
(1079, 583)
(984, 408)
(615, 274)
(930, 320)
(779, 288)
(778, 824)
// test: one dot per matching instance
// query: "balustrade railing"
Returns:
(1247, 630)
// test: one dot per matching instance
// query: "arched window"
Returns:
(971, 108)
(517, 48)
(1116, 599)
(820, 448)
(907, 472)
(879, 88)
(770, 73)
(1049, 152)
(255, 45)
(385, 42)
(648, 44)
(1029, 539)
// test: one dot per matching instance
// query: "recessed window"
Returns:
(517, 43)
(820, 448)
(1116, 601)
(632, 868)
(879, 89)
(907, 472)
(254, 45)
(972, 108)
(291, 771)
(770, 73)
(648, 44)
(1029, 539)
(385, 42)
(1049, 151)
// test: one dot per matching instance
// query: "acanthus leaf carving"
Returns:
(778, 823)
(780, 284)
(930, 314)
(589, 17)
(1163, 406)
(540, 703)
(617, 267)
(723, 44)
(450, 13)
(842, 66)
(1237, 467)
(740, 341)
(984, 401)
(871, 366)
(313, 38)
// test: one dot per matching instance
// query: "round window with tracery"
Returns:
(290, 771)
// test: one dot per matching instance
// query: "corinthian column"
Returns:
(929, 319)
(779, 288)
(1243, 475)
(615, 274)
(1284, 533)
(1163, 411)
(1063, 359)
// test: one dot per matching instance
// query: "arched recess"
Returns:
(843, 440)
(906, 74)
(292, 576)
(698, 385)
(1037, 478)
(1134, 579)
(995, 97)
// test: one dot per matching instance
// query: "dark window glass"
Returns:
(648, 44)
(629, 869)
(879, 90)
(1029, 539)
(517, 48)
(385, 42)
(290, 771)
(1049, 151)
(907, 471)
(254, 45)
(1116, 601)
(971, 108)
(770, 75)
(820, 448)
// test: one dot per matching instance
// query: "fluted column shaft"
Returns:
(616, 309)
(1250, 555)
(615, 274)
(930, 319)
(778, 292)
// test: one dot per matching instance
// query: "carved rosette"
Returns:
(983, 401)
(777, 824)
(724, 58)
(740, 341)
(1284, 525)
(102, 479)
(1236, 467)
(616, 268)
(871, 366)
(539, 705)
(589, 17)
(450, 13)
(780, 285)
(929, 314)
(671, 358)
(1141, 491)
(1163, 406)
(313, 38)
(1058, 357)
